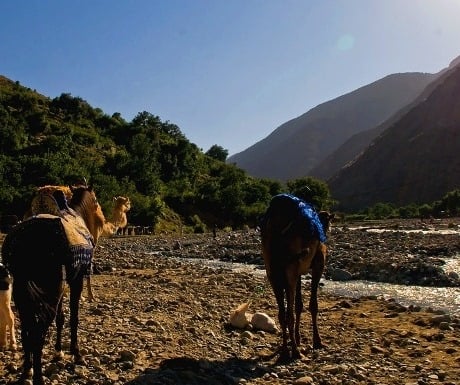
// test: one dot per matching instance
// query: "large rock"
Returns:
(341, 275)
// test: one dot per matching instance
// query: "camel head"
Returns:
(122, 204)
(326, 220)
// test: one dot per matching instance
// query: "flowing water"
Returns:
(446, 299)
(437, 298)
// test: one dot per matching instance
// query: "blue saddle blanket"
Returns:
(307, 211)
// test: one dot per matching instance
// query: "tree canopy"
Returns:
(62, 140)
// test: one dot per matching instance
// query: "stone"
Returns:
(306, 380)
(341, 275)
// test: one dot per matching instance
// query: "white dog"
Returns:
(240, 318)
(6, 314)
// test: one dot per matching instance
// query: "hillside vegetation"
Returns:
(63, 140)
(172, 184)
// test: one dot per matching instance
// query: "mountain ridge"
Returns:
(297, 146)
(414, 160)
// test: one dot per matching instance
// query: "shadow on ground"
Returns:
(190, 371)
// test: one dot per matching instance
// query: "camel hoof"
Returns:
(89, 299)
(296, 355)
(318, 345)
(27, 376)
(284, 356)
(79, 360)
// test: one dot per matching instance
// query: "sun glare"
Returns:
(345, 42)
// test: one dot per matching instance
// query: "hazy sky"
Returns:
(227, 72)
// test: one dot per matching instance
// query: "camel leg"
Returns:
(298, 310)
(89, 288)
(27, 360)
(60, 318)
(317, 270)
(13, 344)
(3, 326)
(290, 296)
(28, 323)
(37, 354)
(76, 288)
(279, 296)
(33, 335)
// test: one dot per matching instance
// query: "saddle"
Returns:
(298, 215)
(80, 240)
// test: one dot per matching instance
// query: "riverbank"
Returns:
(160, 319)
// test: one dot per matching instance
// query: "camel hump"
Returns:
(291, 212)
(45, 204)
(50, 199)
(51, 189)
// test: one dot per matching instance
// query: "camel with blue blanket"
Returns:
(42, 252)
(293, 242)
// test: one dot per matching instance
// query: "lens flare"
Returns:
(345, 42)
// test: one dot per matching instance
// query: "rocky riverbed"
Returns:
(160, 318)
(410, 252)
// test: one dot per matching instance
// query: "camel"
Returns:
(6, 314)
(35, 252)
(63, 194)
(119, 218)
(293, 237)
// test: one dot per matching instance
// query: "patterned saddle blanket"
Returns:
(80, 240)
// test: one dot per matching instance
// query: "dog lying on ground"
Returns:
(6, 314)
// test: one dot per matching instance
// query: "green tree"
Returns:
(312, 190)
(451, 202)
(409, 211)
(218, 153)
(381, 211)
(425, 210)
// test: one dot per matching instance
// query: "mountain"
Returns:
(356, 144)
(415, 160)
(295, 147)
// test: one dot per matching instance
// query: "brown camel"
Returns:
(119, 218)
(293, 237)
(51, 199)
(35, 252)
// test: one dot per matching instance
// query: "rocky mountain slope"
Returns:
(298, 145)
(415, 160)
(356, 144)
